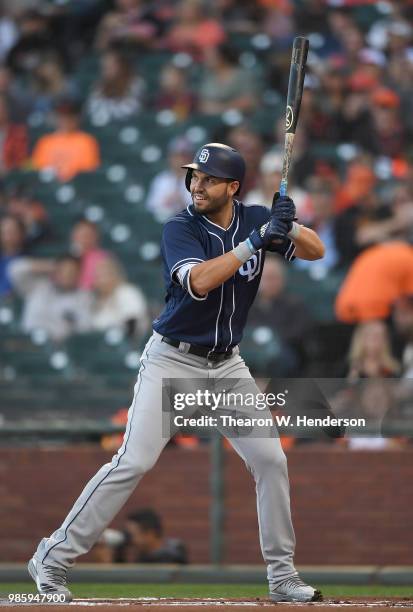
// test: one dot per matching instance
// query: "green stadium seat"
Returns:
(319, 295)
(261, 349)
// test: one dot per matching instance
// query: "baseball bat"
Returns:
(294, 95)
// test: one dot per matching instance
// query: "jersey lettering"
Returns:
(252, 267)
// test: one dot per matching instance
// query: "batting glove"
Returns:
(270, 235)
(283, 208)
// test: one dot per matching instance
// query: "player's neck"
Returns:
(223, 217)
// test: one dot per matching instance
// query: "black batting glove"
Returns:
(283, 208)
(270, 235)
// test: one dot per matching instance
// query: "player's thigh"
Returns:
(150, 417)
(258, 444)
(148, 428)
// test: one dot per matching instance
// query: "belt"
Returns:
(200, 351)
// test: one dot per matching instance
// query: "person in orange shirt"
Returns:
(376, 279)
(194, 31)
(68, 150)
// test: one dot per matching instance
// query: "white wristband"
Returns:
(243, 251)
(294, 231)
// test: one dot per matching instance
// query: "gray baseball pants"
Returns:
(107, 492)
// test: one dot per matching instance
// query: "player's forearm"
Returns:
(211, 274)
(308, 244)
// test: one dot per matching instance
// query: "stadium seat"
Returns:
(261, 349)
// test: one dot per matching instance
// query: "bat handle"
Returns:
(283, 187)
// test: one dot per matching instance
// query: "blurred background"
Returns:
(101, 102)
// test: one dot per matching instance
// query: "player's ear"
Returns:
(233, 188)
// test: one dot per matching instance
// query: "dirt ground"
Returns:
(156, 604)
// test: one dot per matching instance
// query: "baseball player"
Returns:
(213, 253)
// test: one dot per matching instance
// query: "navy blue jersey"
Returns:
(216, 320)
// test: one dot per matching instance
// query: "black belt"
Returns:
(200, 351)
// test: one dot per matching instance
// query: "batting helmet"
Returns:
(219, 160)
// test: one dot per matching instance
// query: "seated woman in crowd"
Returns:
(174, 92)
(119, 92)
(52, 299)
(117, 303)
(85, 244)
(370, 352)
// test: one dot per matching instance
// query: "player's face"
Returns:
(209, 193)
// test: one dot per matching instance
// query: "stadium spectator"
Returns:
(68, 150)
(12, 246)
(284, 313)
(52, 300)
(194, 31)
(13, 140)
(30, 212)
(270, 176)
(370, 352)
(119, 92)
(48, 85)
(390, 133)
(358, 185)
(225, 84)
(167, 193)
(238, 17)
(348, 34)
(372, 63)
(174, 92)
(320, 217)
(134, 23)
(333, 85)
(318, 121)
(37, 39)
(370, 357)
(84, 243)
(375, 401)
(373, 221)
(355, 119)
(277, 21)
(376, 279)
(251, 146)
(142, 541)
(15, 95)
(117, 302)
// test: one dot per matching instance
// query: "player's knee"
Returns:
(137, 464)
(270, 461)
(142, 464)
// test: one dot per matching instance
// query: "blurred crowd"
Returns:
(352, 171)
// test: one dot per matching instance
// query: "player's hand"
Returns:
(270, 235)
(283, 208)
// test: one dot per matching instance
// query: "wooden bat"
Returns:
(294, 95)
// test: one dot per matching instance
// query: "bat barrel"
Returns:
(296, 82)
(294, 95)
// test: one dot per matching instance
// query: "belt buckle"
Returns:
(184, 347)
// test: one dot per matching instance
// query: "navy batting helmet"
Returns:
(219, 160)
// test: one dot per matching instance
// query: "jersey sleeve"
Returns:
(286, 250)
(182, 251)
